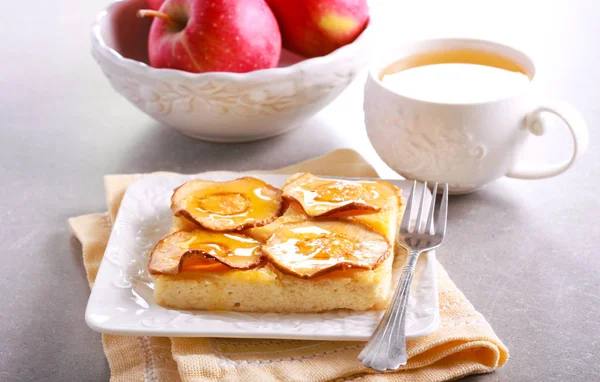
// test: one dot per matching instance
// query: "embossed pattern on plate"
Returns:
(122, 300)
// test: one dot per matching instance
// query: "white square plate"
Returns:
(122, 300)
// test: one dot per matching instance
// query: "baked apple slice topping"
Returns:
(227, 206)
(199, 249)
(313, 248)
(334, 198)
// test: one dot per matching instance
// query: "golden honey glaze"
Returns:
(228, 206)
(329, 197)
(189, 249)
(312, 247)
(297, 245)
(221, 204)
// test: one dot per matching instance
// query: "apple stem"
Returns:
(172, 22)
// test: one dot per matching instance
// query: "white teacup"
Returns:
(464, 144)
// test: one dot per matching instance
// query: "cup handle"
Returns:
(579, 131)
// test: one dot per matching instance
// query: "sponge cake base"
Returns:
(268, 290)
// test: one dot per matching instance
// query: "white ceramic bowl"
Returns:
(219, 106)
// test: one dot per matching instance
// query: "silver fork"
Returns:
(386, 350)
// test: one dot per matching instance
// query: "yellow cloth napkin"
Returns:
(464, 344)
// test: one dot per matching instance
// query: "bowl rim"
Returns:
(142, 67)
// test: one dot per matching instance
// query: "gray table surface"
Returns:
(524, 252)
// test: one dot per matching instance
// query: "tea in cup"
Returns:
(459, 111)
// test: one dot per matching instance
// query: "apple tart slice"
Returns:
(331, 249)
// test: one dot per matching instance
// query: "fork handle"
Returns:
(386, 350)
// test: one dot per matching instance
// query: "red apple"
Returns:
(213, 36)
(318, 27)
(155, 4)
